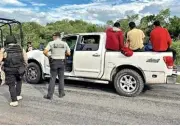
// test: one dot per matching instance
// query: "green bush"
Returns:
(176, 46)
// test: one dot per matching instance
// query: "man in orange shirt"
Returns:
(161, 39)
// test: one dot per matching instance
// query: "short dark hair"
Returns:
(57, 34)
(117, 24)
(132, 25)
(157, 23)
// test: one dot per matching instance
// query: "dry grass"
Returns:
(178, 79)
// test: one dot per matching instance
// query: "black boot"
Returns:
(61, 95)
(47, 97)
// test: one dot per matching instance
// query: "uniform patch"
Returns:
(58, 45)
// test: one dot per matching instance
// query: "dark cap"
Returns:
(57, 34)
(10, 39)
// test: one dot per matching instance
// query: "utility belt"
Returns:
(56, 63)
(10, 71)
(15, 70)
(51, 60)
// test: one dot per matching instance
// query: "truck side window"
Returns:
(71, 41)
(88, 43)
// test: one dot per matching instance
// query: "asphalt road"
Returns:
(92, 104)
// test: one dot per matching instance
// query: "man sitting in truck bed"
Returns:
(135, 38)
(161, 39)
(115, 39)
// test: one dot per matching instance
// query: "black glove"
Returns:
(50, 59)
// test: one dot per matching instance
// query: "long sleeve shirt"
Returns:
(115, 39)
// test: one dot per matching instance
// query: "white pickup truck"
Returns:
(91, 62)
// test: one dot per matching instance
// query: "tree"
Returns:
(163, 16)
(36, 33)
(125, 22)
(91, 28)
(133, 18)
(110, 22)
(146, 23)
(174, 26)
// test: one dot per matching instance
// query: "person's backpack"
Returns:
(127, 51)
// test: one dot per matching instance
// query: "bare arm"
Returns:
(143, 36)
(68, 51)
(127, 40)
(1, 56)
(46, 50)
(25, 57)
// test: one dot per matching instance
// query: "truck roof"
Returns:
(91, 33)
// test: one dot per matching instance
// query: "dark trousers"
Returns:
(139, 50)
(14, 82)
(173, 52)
(56, 68)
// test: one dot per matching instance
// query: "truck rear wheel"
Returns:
(128, 83)
(33, 73)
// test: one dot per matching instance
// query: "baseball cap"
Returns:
(57, 34)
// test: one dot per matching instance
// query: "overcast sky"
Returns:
(95, 11)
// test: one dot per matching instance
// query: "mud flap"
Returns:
(171, 79)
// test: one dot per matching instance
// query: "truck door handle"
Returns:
(96, 55)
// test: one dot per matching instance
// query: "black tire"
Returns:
(123, 87)
(33, 78)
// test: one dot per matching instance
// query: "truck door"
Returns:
(88, 56)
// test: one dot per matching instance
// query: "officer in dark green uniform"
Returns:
(15, 60)
(58, 50)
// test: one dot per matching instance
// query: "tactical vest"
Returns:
(14, 57)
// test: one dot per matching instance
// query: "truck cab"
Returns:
(90, 61)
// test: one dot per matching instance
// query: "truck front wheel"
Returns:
(128, 83)
(33, 73)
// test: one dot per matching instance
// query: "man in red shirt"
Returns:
(161, 39)
(115, 39)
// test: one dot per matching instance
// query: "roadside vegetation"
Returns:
(37, 33)
(176, 46)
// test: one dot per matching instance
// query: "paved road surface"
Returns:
(92, 104)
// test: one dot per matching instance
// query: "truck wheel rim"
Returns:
(128, 83)
(32, 73)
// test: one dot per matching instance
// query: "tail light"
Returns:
(169, 61)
